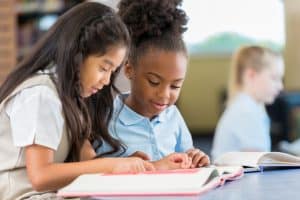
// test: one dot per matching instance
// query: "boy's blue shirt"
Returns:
(243, 125)
(165, 134)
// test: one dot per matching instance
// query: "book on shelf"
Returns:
(180, 182)
(257, 161)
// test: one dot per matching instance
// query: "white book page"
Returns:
(160, 183)
(247, 159)
(279, 159)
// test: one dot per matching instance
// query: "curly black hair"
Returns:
(155, 24)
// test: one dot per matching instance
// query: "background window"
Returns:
(219, 27)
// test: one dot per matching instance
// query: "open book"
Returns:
(163, 183)
(256, 161)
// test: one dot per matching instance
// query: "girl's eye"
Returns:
(175, 87)
(153, 82)
(103, 69)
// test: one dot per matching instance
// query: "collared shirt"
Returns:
(244, 125)
(31, 114)
(165, 134)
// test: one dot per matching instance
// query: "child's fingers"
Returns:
(138, 165)
(184, 164)
(204, 161)
(193, 152)
(178, 157)
(185, 160)
(180, 160)
(196, 160)
(187, 163)
(199, 158)
(190, 151)
(196, 156)
(149, 166)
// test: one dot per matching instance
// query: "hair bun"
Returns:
(153, 18)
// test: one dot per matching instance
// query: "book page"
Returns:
(279, 159)
(246, 159)
(187, 181)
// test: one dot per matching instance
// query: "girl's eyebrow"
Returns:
(109, 62)
(161, 78)
(154, 74)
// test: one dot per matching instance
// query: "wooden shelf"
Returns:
(7, 37)
(39, 7)
(21, 26)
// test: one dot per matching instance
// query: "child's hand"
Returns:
(173, 161)
(132, 165)
(199, 158)
(141, 155)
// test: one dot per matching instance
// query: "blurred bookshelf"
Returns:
(22, 23)
(7, 37)
(34, 18)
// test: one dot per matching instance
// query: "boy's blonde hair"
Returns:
(255, 57)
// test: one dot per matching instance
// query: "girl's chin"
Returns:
(86, 95)
(269, 101)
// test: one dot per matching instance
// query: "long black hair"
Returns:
(154, 24)
(86, 29)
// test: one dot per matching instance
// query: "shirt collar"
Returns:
(161, 117)
(251, 101)
(129, 116)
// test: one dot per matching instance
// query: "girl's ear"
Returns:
(128, 70)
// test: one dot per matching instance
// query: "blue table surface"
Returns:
(268, 185)
(273, 185)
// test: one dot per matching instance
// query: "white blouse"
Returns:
(36, 117)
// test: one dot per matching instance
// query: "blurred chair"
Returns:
(285, 117)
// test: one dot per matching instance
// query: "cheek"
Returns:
(142, 86)
(82, 79)
(269, 89)
(174, 96)
(85, 74)
(86, 80)
(265, 83)
(271, 84)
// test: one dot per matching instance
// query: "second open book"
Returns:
(163, 183)
(256, 161)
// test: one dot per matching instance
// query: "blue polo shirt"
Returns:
(244, 125)
(167, 133)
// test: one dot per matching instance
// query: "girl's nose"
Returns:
(106, 78)
(164, 93)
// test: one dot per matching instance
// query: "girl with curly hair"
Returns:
(146, 119)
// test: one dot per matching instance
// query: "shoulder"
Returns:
(171, 112)
(172, 115)
(42, 92)
(243, 106)
(123, 114)
(34, 95)
(119, 101)
(234, 113)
